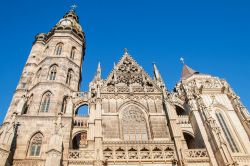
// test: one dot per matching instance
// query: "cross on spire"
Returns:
(182, 60)
(73, 7)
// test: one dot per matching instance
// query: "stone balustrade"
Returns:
(183, 119)
(139, 152)
(196, 155)
(81, 95)
(81, 155)
(81, 121)
(31, 162)
(242, 159)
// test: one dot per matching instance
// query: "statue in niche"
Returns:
(83, 139)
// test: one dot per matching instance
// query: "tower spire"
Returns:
(187, 71)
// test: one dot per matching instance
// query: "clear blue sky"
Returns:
(212, 35)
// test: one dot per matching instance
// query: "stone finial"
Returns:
(126, 51)
(98, 72)
(73, 7)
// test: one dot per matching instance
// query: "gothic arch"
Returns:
(78, 132)
(53, 68)
(180, 110)
(47, 91)
(132, 102)
(58, 48)
(31, 138)
(64, 104)
(188, 132)
(47, 95)
(27, 104)
(79, 106)
(189, 139)
(80, 139)
(134, 123)
(70, 76)
(73, 52)
(227, 128)
(79, 102)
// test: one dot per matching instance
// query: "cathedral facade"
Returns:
(132, 119)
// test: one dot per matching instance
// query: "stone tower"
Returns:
(50, 75)
(130, 117)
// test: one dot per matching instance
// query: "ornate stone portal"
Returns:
(128, 118)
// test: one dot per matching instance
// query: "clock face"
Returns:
(66, 22)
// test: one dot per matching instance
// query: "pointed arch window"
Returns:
(35, 145)
(64, 106)
(53, 71)
(46, 102)
(58, 50)
(27, 105)
(134, 125)
(69, 77)
(227, 132)
(80, 140)
(72, 53)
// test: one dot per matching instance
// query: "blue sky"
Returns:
(212, 35)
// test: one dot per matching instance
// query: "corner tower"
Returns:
(38, 109)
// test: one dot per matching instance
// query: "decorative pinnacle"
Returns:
(73, 7)
(125, 51)
(182, 61)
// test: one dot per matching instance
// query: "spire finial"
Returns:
(73, 7)
(98, 72)
(125, 51)
(182, 60)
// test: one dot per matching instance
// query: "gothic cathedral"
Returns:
(132, 119)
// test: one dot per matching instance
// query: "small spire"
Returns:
(126, 51)
(114, 65)
(98, 72)
(73, 8)
(156, 72)
(157, 77)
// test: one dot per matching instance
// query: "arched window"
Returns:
(58, 50)
(64, 106)
(134, 125)
(80, 140)
(180, 111)
(53, 71)
(72, 53)
(46, 102)
(190, 141)
(27, 105)
(82, 110)
(226, 132)
(69, 77)
(35, 145)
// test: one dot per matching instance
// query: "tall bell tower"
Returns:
(41, 103)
